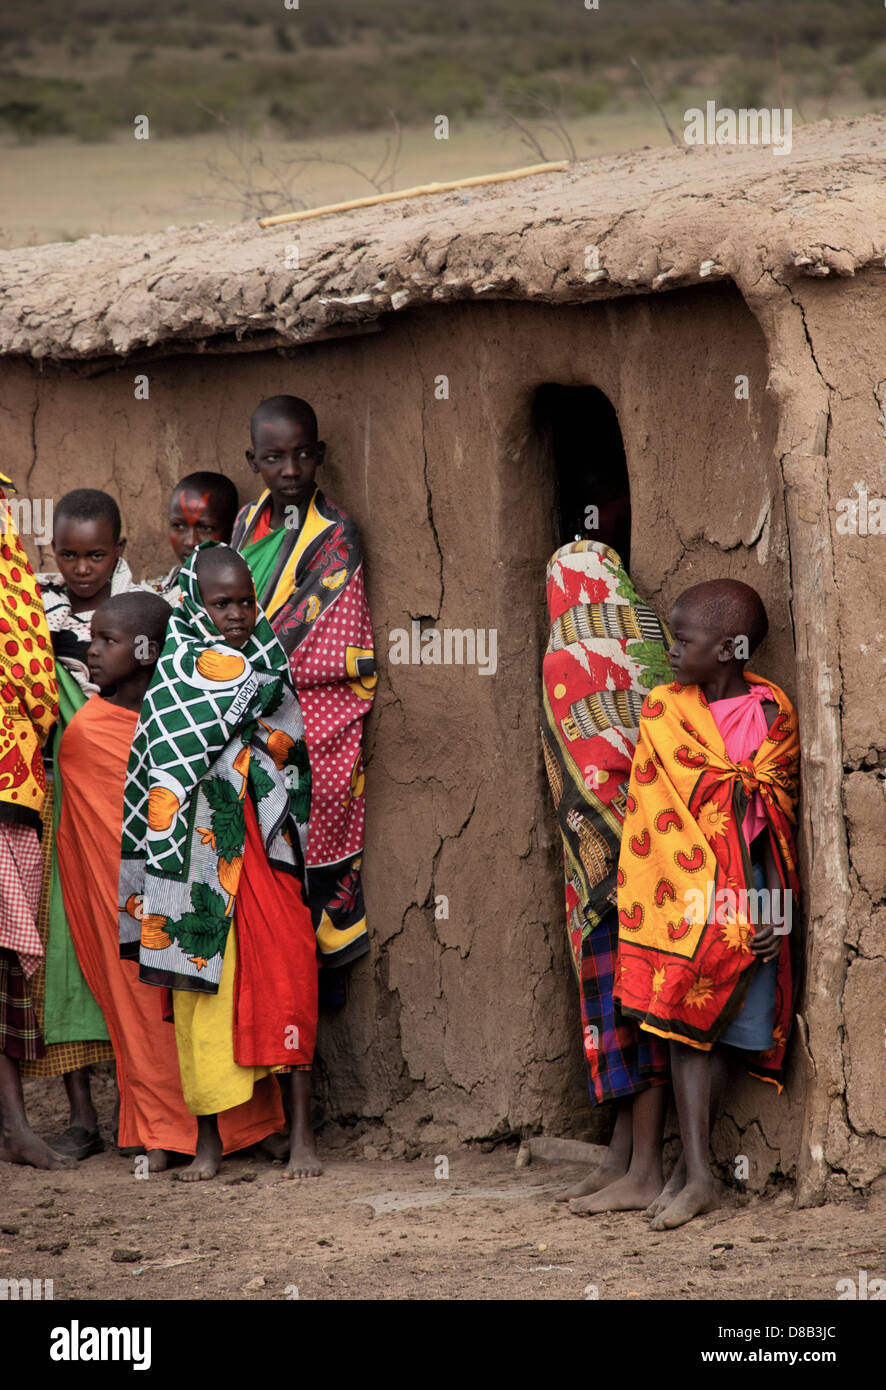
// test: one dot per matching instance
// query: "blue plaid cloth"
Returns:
(621, 1060)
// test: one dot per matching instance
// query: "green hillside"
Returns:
(86, 69)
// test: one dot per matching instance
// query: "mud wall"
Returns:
(846, 327)
(464, 1026)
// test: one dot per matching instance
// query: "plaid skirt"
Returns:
(20, 1035)
(20, 873)
(621, 1060)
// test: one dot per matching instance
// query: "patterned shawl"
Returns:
(309, 581)
(606, 649)
(27, 679)
(217, 721)
(167, 586)
(682, 975)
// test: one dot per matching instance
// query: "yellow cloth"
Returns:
(204, 1034)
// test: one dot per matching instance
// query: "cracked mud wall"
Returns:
(846, 325)
(464, 1026)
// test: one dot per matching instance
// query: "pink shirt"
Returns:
(743, 727)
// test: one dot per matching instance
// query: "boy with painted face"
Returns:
(215, 819)
(305, 557)
(128, 633)
(203, 507)
(708, 874)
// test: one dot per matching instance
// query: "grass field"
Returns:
(59, 190)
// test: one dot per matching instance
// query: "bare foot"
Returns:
(207, 1159)
(674, 1184)
(158, 1160)
(25, 1147)
(201, 1170)
(303, 1161)
(275, 1146)
(692, 1200)
(627, 1194)
(597, 1178)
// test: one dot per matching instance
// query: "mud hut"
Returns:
(717, 314)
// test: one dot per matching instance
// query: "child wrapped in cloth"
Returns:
(606, 650)
(216, 809)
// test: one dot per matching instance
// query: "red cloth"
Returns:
(275, 989)
(262, 526)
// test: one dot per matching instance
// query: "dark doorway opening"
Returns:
(579, 428)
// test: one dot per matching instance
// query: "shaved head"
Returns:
(290, 408)
(219, 559)
(137, 613)
(728, 608)
(88, 504)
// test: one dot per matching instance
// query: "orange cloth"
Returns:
(683, 969)
(93, 755)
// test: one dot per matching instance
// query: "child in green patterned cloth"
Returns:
(212, 877)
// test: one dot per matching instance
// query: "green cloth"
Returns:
(71, 1013)
(261, 556)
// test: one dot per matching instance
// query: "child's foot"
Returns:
(24, 1147)
(303, 1161)
(627, 1194)
(275, 1146)
(207, 1161)
(201, 1170)
(692, 1200)
(158, 1160)
(600, 1177)
(674, 1184)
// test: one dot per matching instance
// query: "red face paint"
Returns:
(199, 509)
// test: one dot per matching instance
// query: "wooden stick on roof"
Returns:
(416, 192)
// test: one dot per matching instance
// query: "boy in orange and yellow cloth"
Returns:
(709, 830)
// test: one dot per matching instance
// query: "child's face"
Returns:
(229, 599)
(696, 653)
(193, 518)
(111, 657)
(86, 553)
(287, 458)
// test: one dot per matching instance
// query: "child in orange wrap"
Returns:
(708, 873)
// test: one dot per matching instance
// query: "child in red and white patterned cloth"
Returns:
(30, 702)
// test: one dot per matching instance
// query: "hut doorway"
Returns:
(580, 431)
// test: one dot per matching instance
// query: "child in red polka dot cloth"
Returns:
(29, 705)
(305, 557)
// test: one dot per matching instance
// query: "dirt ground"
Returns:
(377, 1228)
